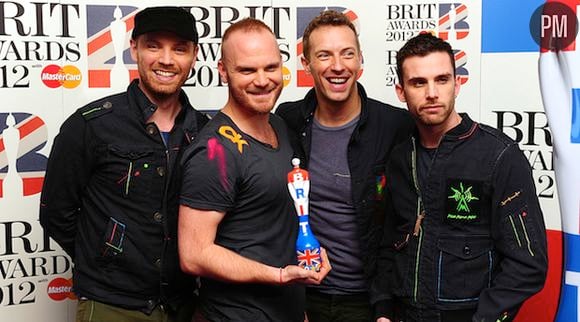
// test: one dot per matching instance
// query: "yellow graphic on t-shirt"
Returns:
(233, 136)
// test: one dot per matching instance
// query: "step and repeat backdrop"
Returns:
(56, 56)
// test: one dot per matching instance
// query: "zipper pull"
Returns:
(420, 218)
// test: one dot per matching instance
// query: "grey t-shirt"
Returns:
(332, 214)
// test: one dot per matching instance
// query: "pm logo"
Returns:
(452, 24)
(22, 167)
(109, 58)
(303, 17)
(460, 62)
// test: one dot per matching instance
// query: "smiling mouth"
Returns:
(163, 73)
(261, 93)
(336, 80)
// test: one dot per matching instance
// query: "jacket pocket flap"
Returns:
(465, 248)
(130, 154)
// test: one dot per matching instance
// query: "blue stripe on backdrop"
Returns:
(505, 26)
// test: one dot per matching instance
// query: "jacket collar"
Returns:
(311, 103)
(145, 108)
(463, 130)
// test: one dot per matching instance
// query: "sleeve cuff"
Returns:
(383, 308)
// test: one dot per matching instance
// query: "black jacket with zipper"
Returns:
(110, 199)
(472, 237)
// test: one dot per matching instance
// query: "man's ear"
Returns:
(195, 50)
(222, 72)
(400, 92)
(133, 48)
(305, 64)
(457, 85)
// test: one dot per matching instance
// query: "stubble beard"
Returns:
(244, 101)
(160, 92)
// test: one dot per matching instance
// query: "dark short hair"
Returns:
(326, 18)
(173, 19)
(422, 45)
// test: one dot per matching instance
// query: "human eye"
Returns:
(442, 80)
(272, 68)
(246, 71)
(181, 49)
(152, 45)
(417, 82)
(322, 55)
(349, 54)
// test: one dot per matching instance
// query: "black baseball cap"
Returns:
(172, 19)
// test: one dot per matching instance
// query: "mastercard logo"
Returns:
(54, 76)
(59, 289)
(286, 76)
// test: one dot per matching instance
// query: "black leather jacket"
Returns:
(379, 128)
(481, 243)
(110, 199)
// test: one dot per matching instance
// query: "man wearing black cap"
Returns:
(111, 190)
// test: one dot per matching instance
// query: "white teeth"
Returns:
(163, 73)
(337, 80)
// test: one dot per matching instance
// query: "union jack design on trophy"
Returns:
(308, 258)
(307, 246)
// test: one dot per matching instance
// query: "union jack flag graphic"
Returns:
(460, 62)
(452, 19)
(100, 48)
(309, 258)
(30, 165)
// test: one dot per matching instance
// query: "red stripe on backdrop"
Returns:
(99, 78)
(460, 9)
(30, 126)
(542, 307)
(105, 38)
(99, 42)
(304, 79)
(32, 186)
(133, 73)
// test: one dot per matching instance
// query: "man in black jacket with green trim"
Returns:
(464, 233)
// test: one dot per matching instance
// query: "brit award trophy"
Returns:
(307, 246)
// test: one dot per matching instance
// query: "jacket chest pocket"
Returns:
(464, 267)
(131, 171)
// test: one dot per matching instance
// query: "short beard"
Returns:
(159, 95)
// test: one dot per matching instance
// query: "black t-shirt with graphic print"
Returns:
(227, 170)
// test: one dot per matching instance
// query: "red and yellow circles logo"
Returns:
(286, 76)
(59, 289)
(54, 76)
